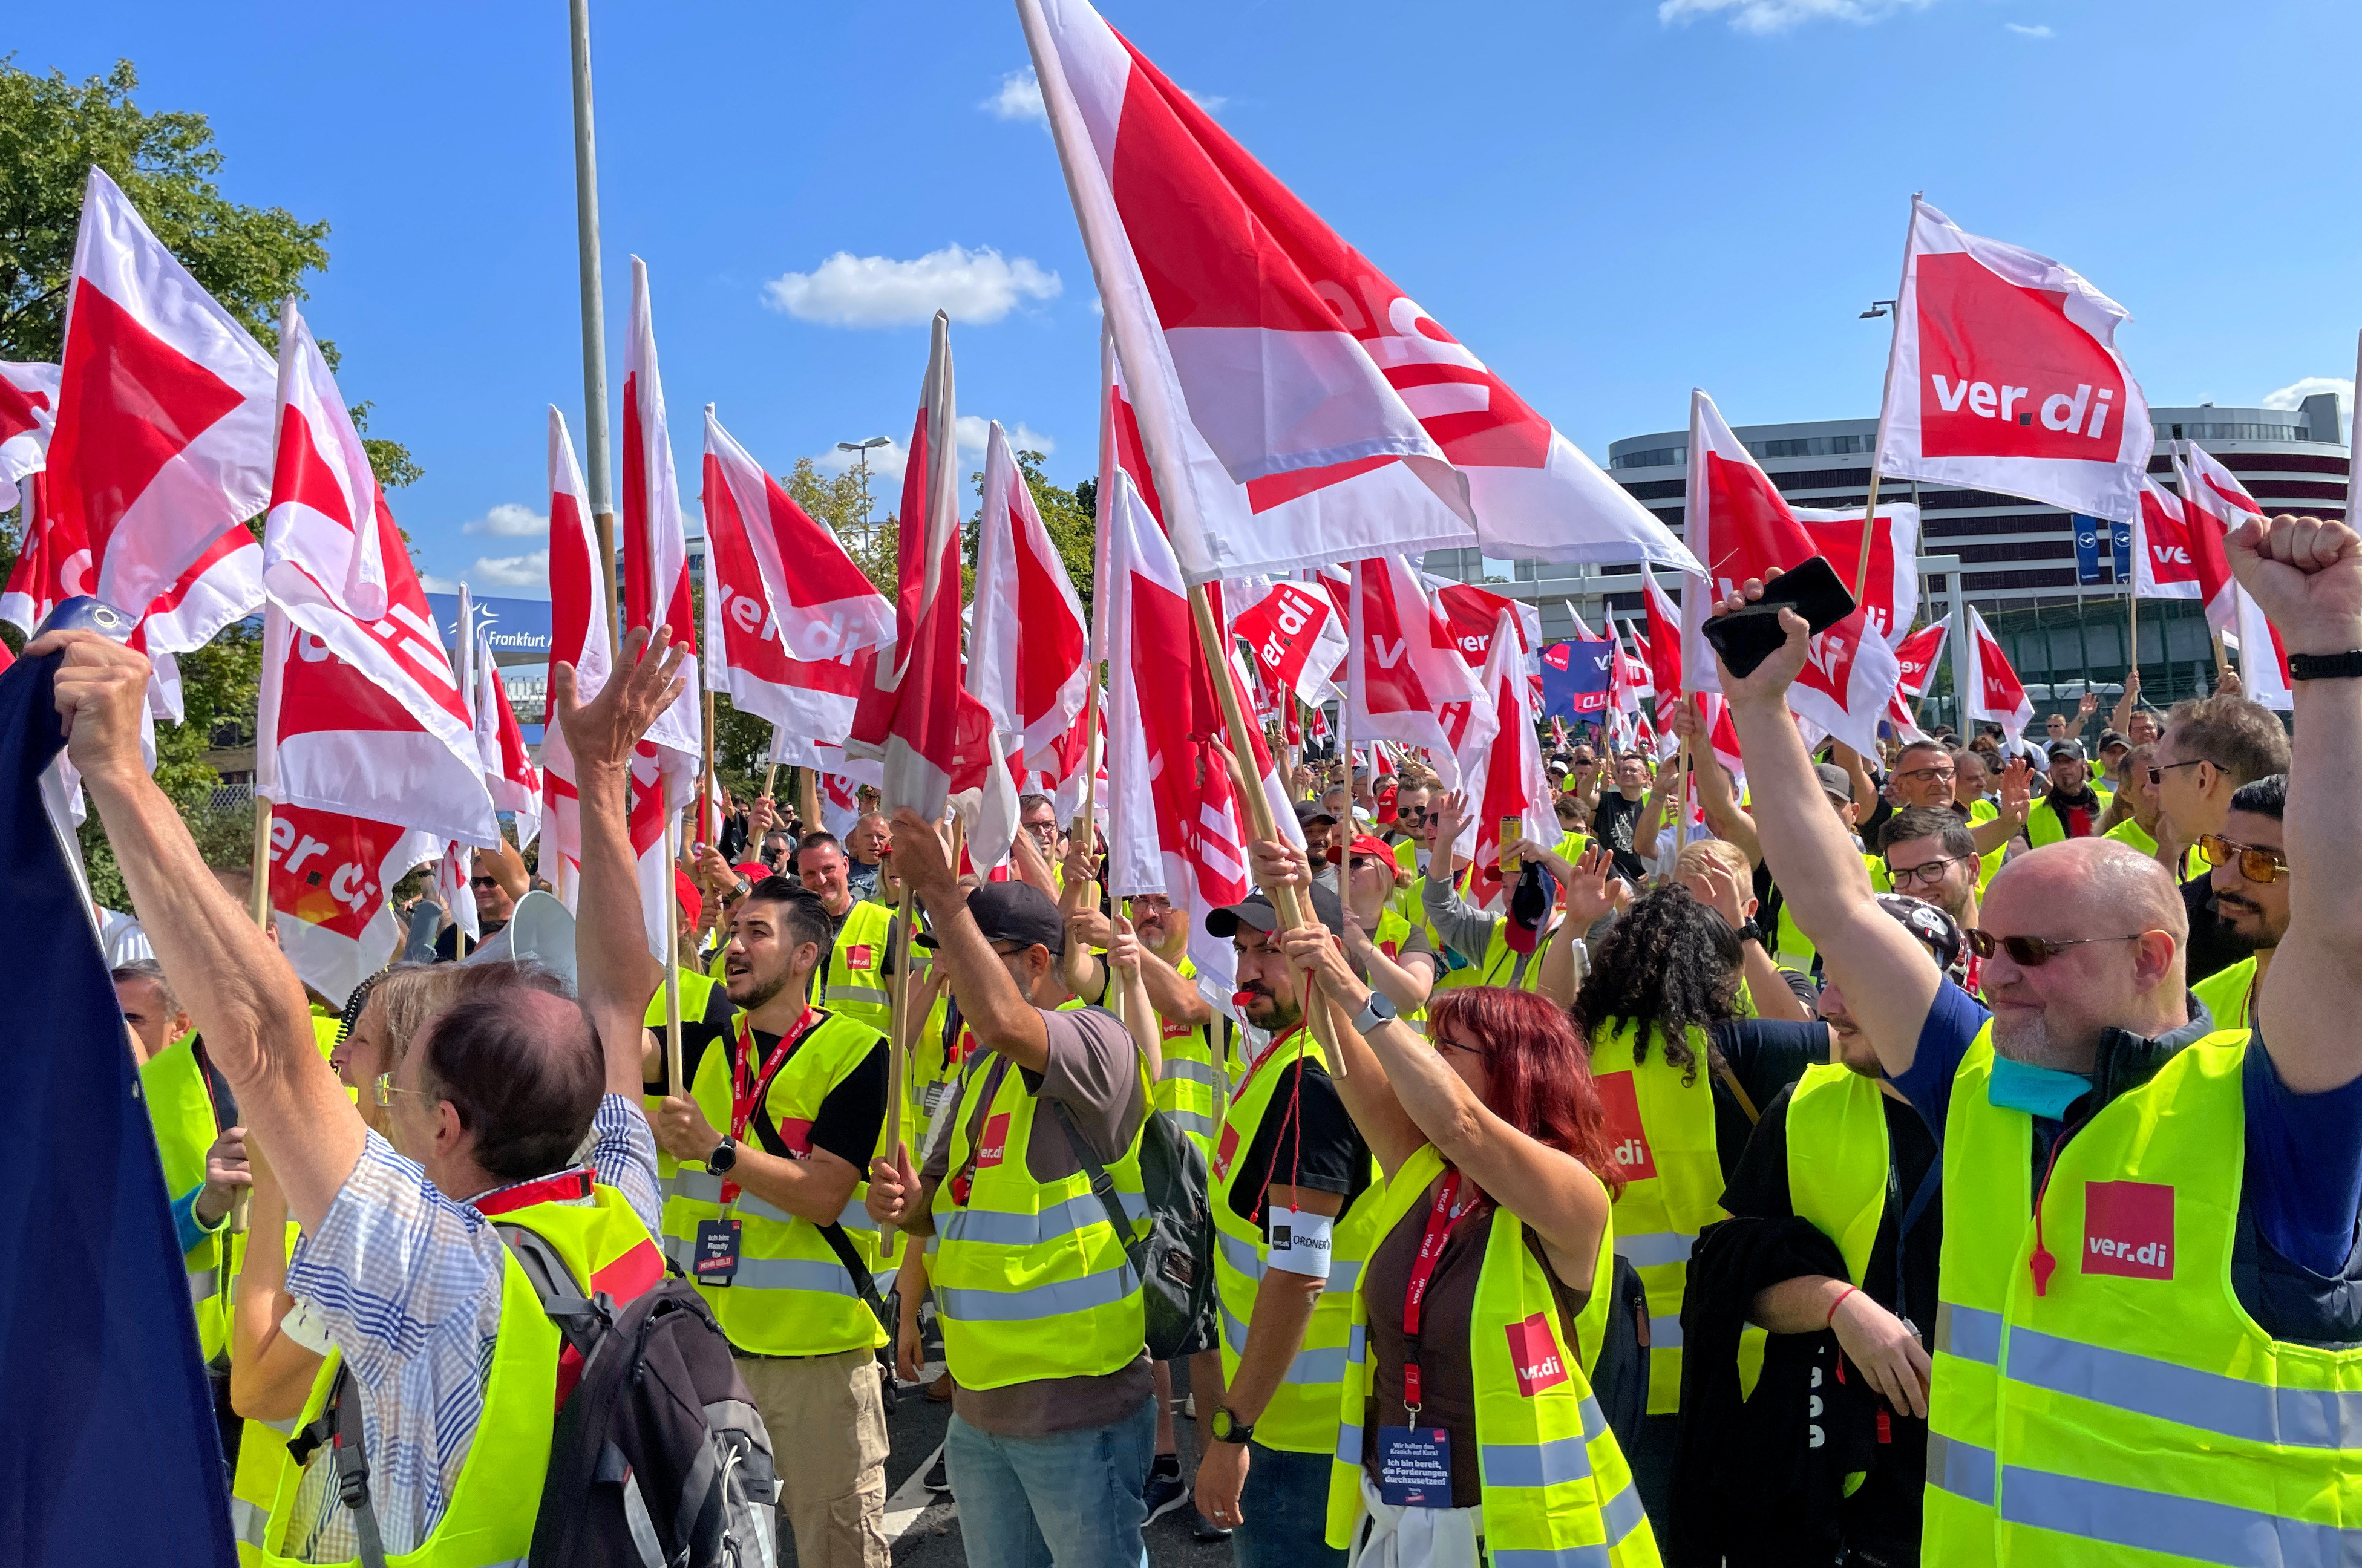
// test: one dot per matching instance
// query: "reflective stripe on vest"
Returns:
(1301, 1414)
(859, 991)
(1661, 1128)
(1031, 1280)
(1557, 1489)
(791, 1295)
(2131, 1403)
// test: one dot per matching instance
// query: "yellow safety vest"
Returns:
(1839, 1159)
(2230, 995)
(852, 981)
(1500, 965)
(489, 1520)
(696, 995)
(1556, 1487)
(2128, 1410)
(1662, 1133)
(1031, 1280)
(1190, 1089)
(791, 1295)
(180, 1110)
(1302, 1415)
(2044, 827)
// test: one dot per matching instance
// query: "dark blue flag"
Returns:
(108, 1452)
(1574, 677)
(2119, 540)
(2088, 546)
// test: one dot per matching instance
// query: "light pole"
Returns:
(1877, 308)
(595, 319)
(861, 451)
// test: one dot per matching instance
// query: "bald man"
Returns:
(2118, 1161)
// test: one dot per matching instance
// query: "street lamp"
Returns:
(861, 450)
(1877, 308)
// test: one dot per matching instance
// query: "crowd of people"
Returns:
(1950, 1155)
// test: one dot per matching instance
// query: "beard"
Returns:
(2029, 1040)
(746, 992)
(1267, 1011)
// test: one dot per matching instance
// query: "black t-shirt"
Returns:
(1766, 1056)
(1612, 822)
(2213, 947)
(697, 1035)
(447, 943)
(1318, 1146)
(850, 1114)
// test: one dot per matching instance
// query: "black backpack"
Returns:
(1174, 1256)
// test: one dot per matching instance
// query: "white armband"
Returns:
(1300, 1241)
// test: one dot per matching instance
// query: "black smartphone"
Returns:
(1745, 638)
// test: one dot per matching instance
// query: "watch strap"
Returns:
(1374, 1011)
(2347, 665)
(1228, 1427)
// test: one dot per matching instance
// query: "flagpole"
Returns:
(709, 809)
(898, 1036)
(260, 901)
(1878, 449)
(1291, 910)
(807, 796)
(675, 1081)
(594, 315)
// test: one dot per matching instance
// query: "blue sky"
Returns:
(1610, 200)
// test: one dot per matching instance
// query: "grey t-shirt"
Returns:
(1094, 1071)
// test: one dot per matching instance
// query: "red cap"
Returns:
(1363, 844)
(753, 870)
(691, 902)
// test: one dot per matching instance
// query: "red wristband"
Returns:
(1832, 1318)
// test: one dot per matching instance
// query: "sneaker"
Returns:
(1166, 1490)
(1204, 1528)
(938, 1477)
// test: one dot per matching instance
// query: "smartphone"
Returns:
(1512, 830)
(1745, 638)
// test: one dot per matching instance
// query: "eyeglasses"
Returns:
(1930, 872)
(1443, 1044)
(2033, 952)
(484, 884)
(2157, 770)
(382, 1090)
(1923, 775)
(2254, 863)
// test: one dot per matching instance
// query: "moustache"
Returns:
(2222, 901)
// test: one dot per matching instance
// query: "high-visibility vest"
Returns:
(1839, 1159)
(180, 1108)
(1500, 965)
(1662, 1130)
(853, 980)
(1031, 1280)
(262, 1461)
(1556, 1487)
(489, 1520)
(1302, 1415)
(2043, 824)
(2230, 995)
(696, 995)
(790, 1295)
(2129, 1411)
(935, 1055)
(1191, 1088)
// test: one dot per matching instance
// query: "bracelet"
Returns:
(1832, 1318)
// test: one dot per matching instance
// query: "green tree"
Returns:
(1070, 516)
(837, 500)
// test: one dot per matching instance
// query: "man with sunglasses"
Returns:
(489, 886)
(1618, 813)
(2072, 807)
(2212, 746)
(2249, 873)
(2145, 1216)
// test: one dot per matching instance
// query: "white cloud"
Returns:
(510, 520)
(528, 571)
(889, 460)
(432, 584)
(978, 287)
(2039, 30)
(1019, 98)
(1765, 16)
(2293, 395)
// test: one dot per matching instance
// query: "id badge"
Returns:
(934, 1097)
(714, 1259)
(1414, 1467)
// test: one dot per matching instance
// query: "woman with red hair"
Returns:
(1480, 1314)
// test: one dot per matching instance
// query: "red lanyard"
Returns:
(1444, 1213)
(1269, 1052)
(744, 1094)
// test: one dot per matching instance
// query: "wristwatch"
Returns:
(724, 1155)
(2344, 665)
(1228, 1427)
(1374, 1011)
(1752, 932)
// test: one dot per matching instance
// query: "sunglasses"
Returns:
(1930, 872)
(2256, 864)
(382, 1090)
(2033, 952)
(2157, 770)
(484, 884)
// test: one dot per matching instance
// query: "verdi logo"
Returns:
(1534, 1357)
(2003, 373)
(2128, 1229)
(1628, 1137)
(996, 1141)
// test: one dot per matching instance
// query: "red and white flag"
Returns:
(582, 636)
(454, 877)
(1406, 678)
(1299, 640)
(1292, 357)
(1509, 763)
(2005, 376)
(1639, 673)
(655, 547)
(1664, 642)
(2214, 503)
(1743, 526)
(509, 773)
(1625, 674)
(1471, 612)
(2165, 558)
(330, 877)
(1889, 595)
(1917, 657)
(1997, 697)
(28, 409)
(323, 538)
(1026, 649)
(757, 633)
(2263, 660)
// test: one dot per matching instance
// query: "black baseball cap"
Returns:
(2067, 751)
(1014, 911)
(1311, 812)
(1254, 913)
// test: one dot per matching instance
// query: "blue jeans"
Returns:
(1070, 1500)
(1285, 1502)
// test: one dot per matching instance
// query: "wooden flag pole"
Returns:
(808, 797)
(1878, 449)
(709, 809)
(1087, 818)
(675, 1079)
(898, 1032)
(259, 900)
(1235, 724)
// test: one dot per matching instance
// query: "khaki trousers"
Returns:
(827, 1418)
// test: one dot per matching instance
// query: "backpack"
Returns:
(659, 1459)
(1174, 1255)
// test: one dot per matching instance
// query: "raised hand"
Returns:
(2306, 575)
(1590, 887)
(101, 689)
(602, 732)
(920, 859)
(2016, 790)
(1767, 684)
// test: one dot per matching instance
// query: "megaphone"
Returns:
(541, 931)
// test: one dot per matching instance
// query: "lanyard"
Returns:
(1270, 1051)
(745, 1093)
(1441, 1217)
